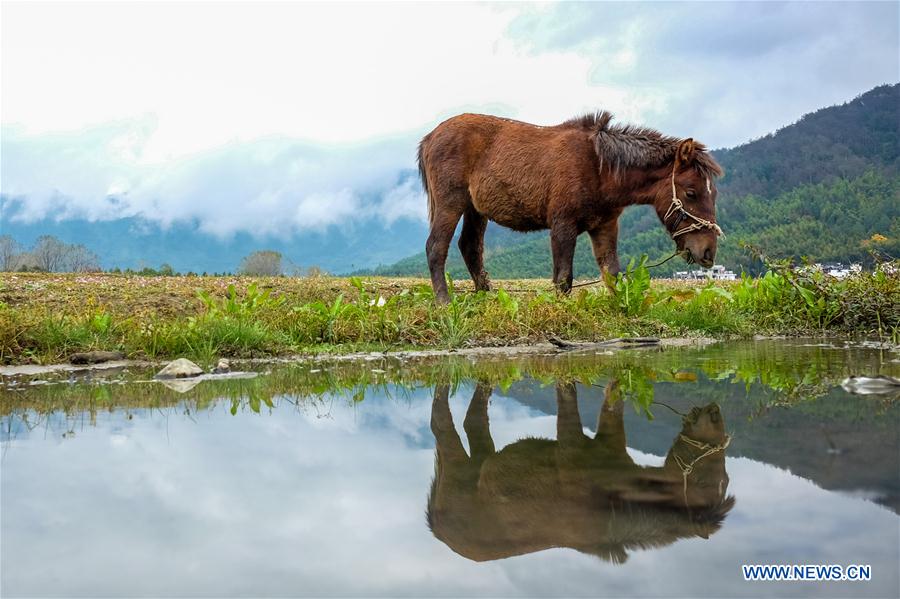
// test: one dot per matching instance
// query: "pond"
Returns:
(643, 472)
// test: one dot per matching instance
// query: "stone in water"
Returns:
(179, 369)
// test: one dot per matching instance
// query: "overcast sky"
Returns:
(307, 112)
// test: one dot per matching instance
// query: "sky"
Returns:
(277, 117)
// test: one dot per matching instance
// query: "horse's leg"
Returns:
(455, 478)
(449, 446)
(471, 246)
(447, 211)
(604, 240)
(569, 431)
(610, 423)
(477, 426)
(563, 236)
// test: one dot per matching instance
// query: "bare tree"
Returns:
(10, 250)
(80, 259)
(25, 262)
(265, 263)
(52, 255)
(49, 253)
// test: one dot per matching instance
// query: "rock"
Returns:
(95, 357)
(222, 367)
(180, 385)
(179, 369)
(871, 385)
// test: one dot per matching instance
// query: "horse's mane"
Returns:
(629, 146)
(641, 526)
(591, 121)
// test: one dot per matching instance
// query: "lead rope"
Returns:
(660, 263)
(706, 448)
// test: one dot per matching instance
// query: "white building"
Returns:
(837, 270)
(716, 273)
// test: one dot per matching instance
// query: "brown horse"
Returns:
(577, 492)
(570, 178)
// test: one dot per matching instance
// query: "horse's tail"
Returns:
(424, 177)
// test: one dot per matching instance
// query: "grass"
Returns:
(46, 317)
(789, 373)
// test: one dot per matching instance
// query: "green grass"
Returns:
(45, 318)
(780, 374)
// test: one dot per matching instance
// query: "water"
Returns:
(322, 479)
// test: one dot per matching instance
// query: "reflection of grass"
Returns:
(791, 374)
(44, 318)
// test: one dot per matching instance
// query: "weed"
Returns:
(325, 316)
(631, 288)
(454, 322)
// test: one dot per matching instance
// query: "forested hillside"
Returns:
(826, 187)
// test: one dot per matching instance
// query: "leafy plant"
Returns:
(510, 305)
(252, 303)
(100, 322)
(328, 315)
(631, 288)
(636, 385)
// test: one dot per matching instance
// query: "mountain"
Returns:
(820, 188)
(136, 243)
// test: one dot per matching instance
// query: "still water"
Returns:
(635, 473)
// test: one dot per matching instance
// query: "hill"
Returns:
(820, 188)
(137, 243)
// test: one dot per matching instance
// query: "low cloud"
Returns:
(272, 186)
(725, 72)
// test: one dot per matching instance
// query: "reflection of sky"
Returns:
(297, 503)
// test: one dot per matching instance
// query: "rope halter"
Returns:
(677, 207)
(688, 467)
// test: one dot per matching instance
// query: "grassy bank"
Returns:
(46, 317)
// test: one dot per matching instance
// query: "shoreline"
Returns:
(506, 351)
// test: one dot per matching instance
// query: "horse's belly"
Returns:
(505, 206)
(518, 223)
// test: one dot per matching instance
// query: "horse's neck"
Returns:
(669, 471)
(633, 186)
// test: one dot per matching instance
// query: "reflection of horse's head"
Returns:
(698, 454)
(578, 492)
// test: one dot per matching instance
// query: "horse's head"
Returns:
(700, 451)
(705, 425)
(686, 202)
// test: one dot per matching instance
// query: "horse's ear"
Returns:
(685, 153)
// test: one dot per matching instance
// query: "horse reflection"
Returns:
(577, 492)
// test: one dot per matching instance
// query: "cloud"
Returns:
(724, 72)
(272, 186)
(274, 118)
(237, 72)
